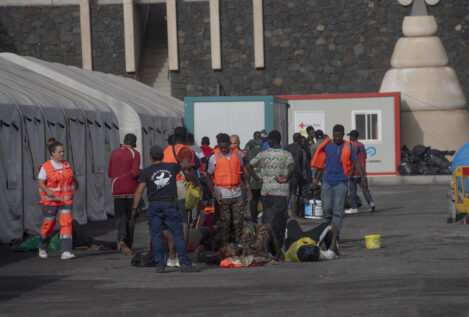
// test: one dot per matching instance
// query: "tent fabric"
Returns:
(89, 113)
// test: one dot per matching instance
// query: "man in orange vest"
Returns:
(184, 156)
(334, 160)
(225, 172)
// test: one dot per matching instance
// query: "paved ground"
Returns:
(422, 270)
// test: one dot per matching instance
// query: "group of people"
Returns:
(234, 178)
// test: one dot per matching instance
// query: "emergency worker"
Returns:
(183, 155)
(57, 185)
(225, 171)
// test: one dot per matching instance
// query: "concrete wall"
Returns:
(311, 46)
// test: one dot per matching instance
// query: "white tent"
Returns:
(89, 113)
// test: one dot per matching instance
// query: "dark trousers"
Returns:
(122, 211)
(82, 239)
(160, 214)
(275, 213)
(254, 204)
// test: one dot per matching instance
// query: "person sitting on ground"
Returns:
(355, 176)
(334, 158)
(160, 180)
(257, 245)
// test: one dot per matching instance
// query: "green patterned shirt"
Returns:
(272, 163)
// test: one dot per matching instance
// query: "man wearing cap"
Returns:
(265, 143)
(124, 170)
(160, 180)
(355, 178)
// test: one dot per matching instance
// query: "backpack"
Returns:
(320, 234)
(143, 260)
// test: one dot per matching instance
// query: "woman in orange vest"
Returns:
(334, 158)
(57, 185)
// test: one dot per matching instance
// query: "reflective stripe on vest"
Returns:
(227, 172)
(61, 185)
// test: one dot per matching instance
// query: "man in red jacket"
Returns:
(124, 170)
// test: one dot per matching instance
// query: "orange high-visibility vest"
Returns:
(228, 262)
(168, 157)
(227, 172)
(60, 183)
(319, 159)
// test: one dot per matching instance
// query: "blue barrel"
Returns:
(461, 159)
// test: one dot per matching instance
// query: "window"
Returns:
(368, 124)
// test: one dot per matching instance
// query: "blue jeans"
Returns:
(333, 202)
(354, 181)
(166, 213)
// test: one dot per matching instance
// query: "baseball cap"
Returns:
(354, 133)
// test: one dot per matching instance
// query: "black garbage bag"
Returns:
(407, 168)
(420, 150)
(423, 160)
(438, 161)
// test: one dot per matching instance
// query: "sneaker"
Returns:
(42, 254)
(67, 255)
(351, 211)
(259, 215)
(173, 262)
(372, 207)
(327, 255)
(190, 269)
(160, 269)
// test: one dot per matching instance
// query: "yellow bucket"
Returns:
(373, 241)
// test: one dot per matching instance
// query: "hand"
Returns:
(364, 183)
(49, 192)
(315, 183)
(281, 179)
(217, 197)
(249, 193)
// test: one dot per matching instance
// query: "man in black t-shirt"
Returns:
(160, 181)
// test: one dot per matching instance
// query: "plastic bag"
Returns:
(192, 196)
(407, 168)
(292, 253)
(32, 243)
